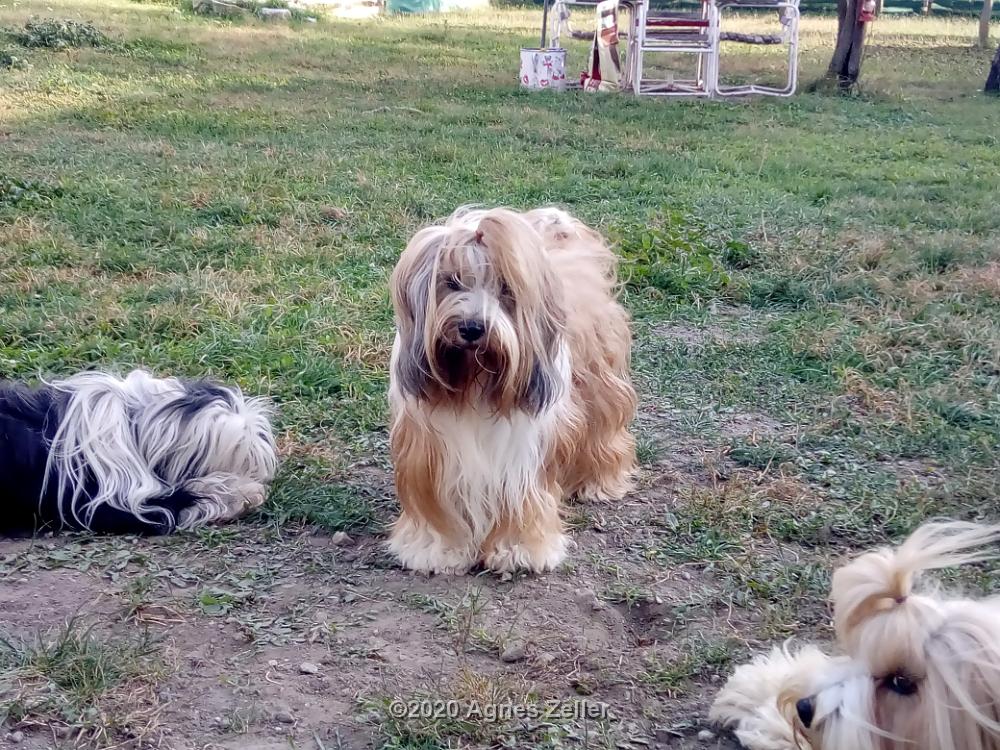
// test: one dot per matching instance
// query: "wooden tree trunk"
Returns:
(993, 81)
(845, 66)
(984, 23)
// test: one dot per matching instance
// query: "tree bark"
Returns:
(845, 66)
(984, 23)
(993, 82)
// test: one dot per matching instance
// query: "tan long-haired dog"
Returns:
(509, 388)
(921, 670)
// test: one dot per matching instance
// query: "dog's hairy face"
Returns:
(929, 689)
(846, 706)
(923, 671)
(478, 314)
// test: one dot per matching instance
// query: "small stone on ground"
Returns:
(513, 652)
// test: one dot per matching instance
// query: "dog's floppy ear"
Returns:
(413, 285)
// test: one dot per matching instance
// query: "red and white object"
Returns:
(543, 68)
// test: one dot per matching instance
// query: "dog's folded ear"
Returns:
(411, 371)
(413, 285)
(543, 389)
(519, 254)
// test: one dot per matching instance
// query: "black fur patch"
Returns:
(541, 391)
(413, 369)
(198, 395)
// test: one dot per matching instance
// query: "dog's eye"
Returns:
(900, 684)
(453, 283)
(505, 290)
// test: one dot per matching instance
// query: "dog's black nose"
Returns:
(471, 330)
(806, 710)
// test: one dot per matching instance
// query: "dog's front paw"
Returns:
(419, 548)
(604, 489)
(254, 495)
(435, 559)
(536, 556)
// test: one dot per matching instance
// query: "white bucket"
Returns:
(543, 68)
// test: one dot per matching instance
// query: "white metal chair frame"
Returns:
(788, 11)
(674, 34)
(698, 34)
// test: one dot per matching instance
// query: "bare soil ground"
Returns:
(281, 637)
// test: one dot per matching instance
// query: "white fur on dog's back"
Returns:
(748, 703)
(121, 434)
(96, 437)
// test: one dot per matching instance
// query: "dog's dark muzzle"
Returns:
(471, 330)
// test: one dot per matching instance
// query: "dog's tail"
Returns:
(94, 458)
(883, 581)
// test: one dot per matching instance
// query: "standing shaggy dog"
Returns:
(134, 454)
(509, 388)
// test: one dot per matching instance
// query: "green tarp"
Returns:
(413, 6)
(433, 6)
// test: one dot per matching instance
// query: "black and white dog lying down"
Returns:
(130, 455)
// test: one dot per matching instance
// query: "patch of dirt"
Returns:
(741, 326)
(916, 471)
(750, 424)
(45, 597)
(286, 638)
(240, 673)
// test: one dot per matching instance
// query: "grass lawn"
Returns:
(815, 284)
